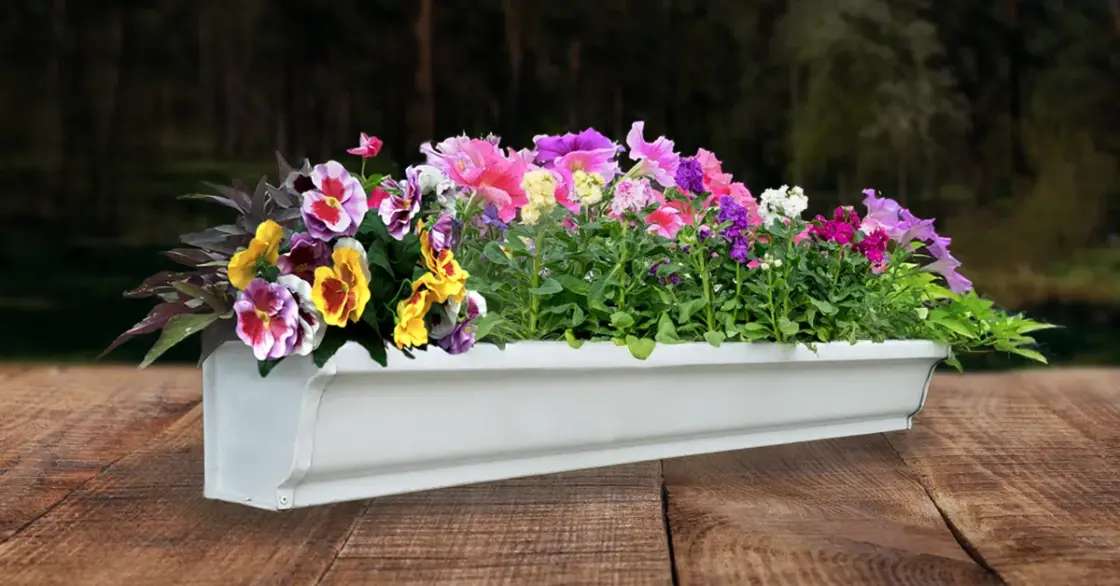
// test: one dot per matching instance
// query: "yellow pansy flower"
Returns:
(265, 245)
(341, 292)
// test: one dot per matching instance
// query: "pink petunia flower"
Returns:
(715, 180)
(267, 319)
(336, 206)
(665, 222)
(631, 195)
(481, 166)
(655, 159)
(368, 146)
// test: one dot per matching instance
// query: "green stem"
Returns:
(770, 306)
(705, 280)
(621, 268)
(363, 171)
(739, 288)
(534, 299)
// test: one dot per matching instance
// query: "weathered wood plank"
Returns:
(600, 526)
(837, 512)
(144, 521)
(59, 427)
(1027, 467)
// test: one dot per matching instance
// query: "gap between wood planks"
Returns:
(949, 524)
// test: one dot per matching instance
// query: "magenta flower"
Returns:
(305, 255)
(655, 159)
(310, 328)
(665, 222)
(267, 319)
(401, 206)
(550, 148)
(368, 146)
(336, 206)
(481, 166)
(874, 248)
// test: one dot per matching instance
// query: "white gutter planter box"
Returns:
(353, 429)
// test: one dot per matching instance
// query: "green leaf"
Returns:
(823, 306)
(954, 362)
(378, 256)
(715, 338)
(690, 307)
(574, 284)
(485, 324)
(178, 328)
(666, 330)
(952, 325)
(640, 348)
(577, 316)
(1033, 355)
(265, 366)
(550, 286)
(332, 341)
(376, 348)
(570, 336)
(730, 304)
(621, 320)
(787, 327)
(495, 255)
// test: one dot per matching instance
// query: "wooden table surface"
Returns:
(1005, 478)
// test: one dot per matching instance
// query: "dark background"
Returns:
(1000, 118)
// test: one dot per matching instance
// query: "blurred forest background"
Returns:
(1000, 118)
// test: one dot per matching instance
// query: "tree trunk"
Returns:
(515, 48)
(575, 48)
(424, 113)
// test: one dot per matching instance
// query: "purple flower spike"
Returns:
(690, 176)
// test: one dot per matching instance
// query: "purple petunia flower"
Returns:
(690, 176)
(550, 148)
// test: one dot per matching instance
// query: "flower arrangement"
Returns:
(560, 244)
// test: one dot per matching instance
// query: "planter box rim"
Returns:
(352, 357)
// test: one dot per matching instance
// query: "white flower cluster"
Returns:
(769, 262)
(784, 202)
(433, 181)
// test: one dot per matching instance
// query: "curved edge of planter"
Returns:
(353, 429)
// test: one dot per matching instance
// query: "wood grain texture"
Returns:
(1027, 467)
(60, 427)
(144, 521)
(601, 526)
(840, 512)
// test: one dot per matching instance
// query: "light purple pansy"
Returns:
(267, 319)
(336, 205)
